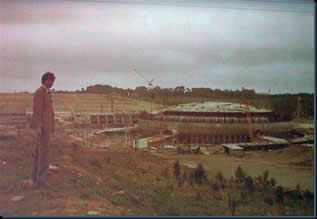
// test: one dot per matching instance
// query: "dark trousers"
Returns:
(40, 158)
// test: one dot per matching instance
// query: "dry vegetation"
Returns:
(119, 181)
(77, 102)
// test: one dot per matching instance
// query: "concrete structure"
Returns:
(103, 119)
(119, 118)
(267, 143)
(305, 139)
(214, 123)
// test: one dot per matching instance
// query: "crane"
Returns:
(149, 82)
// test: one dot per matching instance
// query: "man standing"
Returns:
(43, 123)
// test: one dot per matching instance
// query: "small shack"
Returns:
(232, 149)
(267, 143)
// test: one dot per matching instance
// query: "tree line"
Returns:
(157, 91)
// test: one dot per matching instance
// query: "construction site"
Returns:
(133, 132)
(206, 124)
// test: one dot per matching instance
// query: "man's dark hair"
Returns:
(48, 75)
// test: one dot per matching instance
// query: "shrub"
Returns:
(215, 187)
(308, 195)
(199, 174)
(248, 182)
(262, 182)
(177, 169)
(220, 179)
(239, 174)
(279, 194)
(295, 195)
(272, 182)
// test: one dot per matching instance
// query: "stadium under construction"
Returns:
(214, 123)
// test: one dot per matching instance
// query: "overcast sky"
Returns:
(226, 44)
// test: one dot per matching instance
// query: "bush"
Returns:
(263, 182)
(295, 195)
(272, 182)
(215, 187)
(177, 169)
(248, 182)
(308, 195)
(279, 194)
(239, 174)
(199, 174)
(220, 179)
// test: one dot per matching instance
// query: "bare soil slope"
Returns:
(76, 102)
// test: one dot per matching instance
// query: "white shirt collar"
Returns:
(47, 90)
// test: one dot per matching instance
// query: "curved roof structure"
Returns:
(224, 107)
(212, 119)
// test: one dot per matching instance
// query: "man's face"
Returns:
(48, 83)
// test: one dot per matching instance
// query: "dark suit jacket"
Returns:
(43, 113)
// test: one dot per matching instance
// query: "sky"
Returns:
(229, 44)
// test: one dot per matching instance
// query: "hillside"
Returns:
(119, 181)
(77, 103)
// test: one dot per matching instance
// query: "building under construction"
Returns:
(214, 123)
